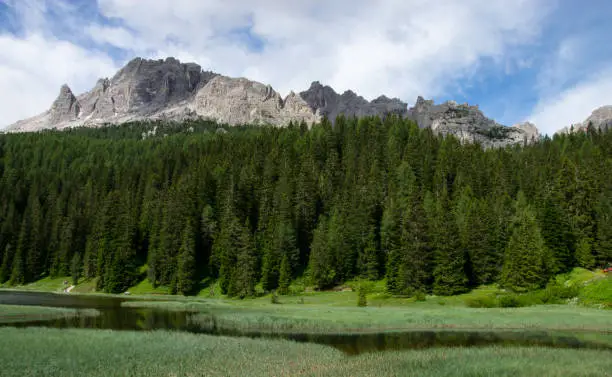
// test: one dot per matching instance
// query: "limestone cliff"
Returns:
(171, 90)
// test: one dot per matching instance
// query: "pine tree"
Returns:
(449, 272)
(5, 268)
(558, 235)
(187, 269)
(603, 244)
(525, 262)
(390, 244)
(584, 253)
(244, 277)
(322, 272)
(76, 268)
(285, 276)
(369, 257)
(18, 263)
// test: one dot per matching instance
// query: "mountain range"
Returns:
(169, 90)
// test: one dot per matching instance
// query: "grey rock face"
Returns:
(174, 91)
(241, 101)
(324, 101)
(469, 124)
(600, 119)
(65, 108)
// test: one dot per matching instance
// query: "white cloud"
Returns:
(33, 68)
(574, 104)
(115, 36)
(401, 48)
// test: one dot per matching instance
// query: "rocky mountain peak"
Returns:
(600, 119)
(167, 89)
(65, 107)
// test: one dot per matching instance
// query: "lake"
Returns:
(112, 315)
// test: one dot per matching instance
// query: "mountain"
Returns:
(171, 90)
(600, 119)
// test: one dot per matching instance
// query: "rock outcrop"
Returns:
(600, 119)
(469, 124)
(171, 90)
(324, 101)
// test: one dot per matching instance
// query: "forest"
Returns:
(185, 205)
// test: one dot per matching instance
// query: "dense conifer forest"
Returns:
(366, 198)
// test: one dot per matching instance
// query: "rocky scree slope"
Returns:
(174, 91)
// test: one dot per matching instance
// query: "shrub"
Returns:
(420, 296)
(362, 299)
(481, 302)
(274, 298)
(510, 301)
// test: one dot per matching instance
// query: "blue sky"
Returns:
(544, 61)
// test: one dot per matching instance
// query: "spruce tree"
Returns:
(285, 276)
(76, 268)
(584, 253)
(370, 258)
(244, 277)
(321, 265)
(449, 272)
(187, 281)
(526, 259)
(5, 267)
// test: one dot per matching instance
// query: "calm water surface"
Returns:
(115, 317)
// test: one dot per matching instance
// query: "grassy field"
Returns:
(47, 284)
(51, 352)
(319, 318)
(18, 313)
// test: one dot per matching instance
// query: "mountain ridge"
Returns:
(166, 89)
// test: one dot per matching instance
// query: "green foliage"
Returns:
(420, 296)
(285, 276)
(526, 260)
(362, 297)
(366, 198)
(187, 273)
(481, 302)
(509, 301)
(105, 353)
(597, 292)
(274, 298)
(584, 254)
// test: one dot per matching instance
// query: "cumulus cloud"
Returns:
(33, 68)
(574, 104)
(401, 48)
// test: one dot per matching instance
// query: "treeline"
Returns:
(366, 198)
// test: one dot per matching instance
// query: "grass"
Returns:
(52, 352)
(48, 284)
(17, 313)
(598, 292)
(257, 315)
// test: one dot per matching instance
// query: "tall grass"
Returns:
(321, 318)
(51, 352)
(18, 313)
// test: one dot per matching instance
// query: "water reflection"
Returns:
(115, 317)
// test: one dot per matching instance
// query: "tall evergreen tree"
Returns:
(187, 269)
(526, 259)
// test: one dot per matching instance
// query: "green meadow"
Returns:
(52, 352)
(20, 313)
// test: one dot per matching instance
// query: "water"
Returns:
(114, 316)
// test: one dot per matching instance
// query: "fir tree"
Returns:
(322, 272)
(285, 276)
(187, 272)
(525, 262)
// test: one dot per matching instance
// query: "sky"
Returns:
(544, 61)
